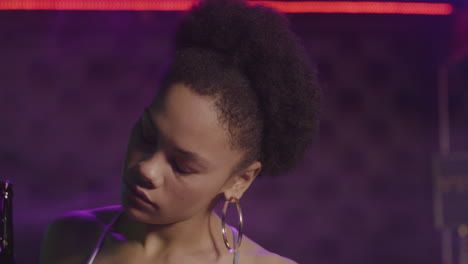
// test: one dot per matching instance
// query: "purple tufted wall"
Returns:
(72, 84)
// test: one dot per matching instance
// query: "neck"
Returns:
(199, 233)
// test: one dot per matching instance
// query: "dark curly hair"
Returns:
(266, 91)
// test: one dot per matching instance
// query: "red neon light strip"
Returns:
(362, 7)
(287, 7)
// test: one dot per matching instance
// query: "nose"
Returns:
(152, 171)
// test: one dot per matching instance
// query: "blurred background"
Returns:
(73, 82)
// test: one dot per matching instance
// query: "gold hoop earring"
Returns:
(240, 229)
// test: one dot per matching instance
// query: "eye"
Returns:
(177, 169)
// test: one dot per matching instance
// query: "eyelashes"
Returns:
(176, 168)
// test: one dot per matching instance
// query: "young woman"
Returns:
(239, 100)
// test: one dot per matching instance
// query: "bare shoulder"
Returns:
(273, 258)
(105, 214)
(72, 235)
(253, 253)
(80, 221)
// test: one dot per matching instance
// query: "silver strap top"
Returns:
(102, 237)
(108, 227)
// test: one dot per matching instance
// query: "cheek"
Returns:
(197, 192)
(132, 157)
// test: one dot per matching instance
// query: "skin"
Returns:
(181, 159)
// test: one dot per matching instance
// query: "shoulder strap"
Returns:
(235, 235)
(103, 236)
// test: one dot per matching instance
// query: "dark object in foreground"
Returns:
(6, 223)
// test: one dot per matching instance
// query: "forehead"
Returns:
(191, 121)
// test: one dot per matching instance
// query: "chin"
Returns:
(142, 213)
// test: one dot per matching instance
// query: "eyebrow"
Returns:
(188, 154)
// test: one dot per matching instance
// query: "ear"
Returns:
(240, 182)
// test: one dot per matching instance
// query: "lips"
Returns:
(133, 190)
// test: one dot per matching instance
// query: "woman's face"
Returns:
(179, 159)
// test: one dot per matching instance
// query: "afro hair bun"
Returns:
(258, 42)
